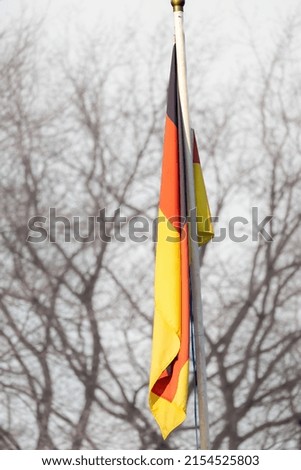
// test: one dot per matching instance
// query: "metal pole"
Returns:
(178, 6)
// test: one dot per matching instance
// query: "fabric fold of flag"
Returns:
(204, 224)
(168, 387)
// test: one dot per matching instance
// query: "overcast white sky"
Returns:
(149, 12)
(67, 17)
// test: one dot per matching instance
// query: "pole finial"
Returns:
(178, 5)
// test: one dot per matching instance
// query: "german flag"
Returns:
(171, 330)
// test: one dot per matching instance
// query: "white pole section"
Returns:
(194, 249)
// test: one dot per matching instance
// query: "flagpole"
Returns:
(197, 309)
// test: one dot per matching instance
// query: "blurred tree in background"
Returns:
(81, 130)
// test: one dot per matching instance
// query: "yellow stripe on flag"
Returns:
(204, 225)
(167, 328)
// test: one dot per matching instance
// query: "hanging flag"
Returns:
(204, 225)
(170, 349)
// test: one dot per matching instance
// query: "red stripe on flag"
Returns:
(170, 191)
